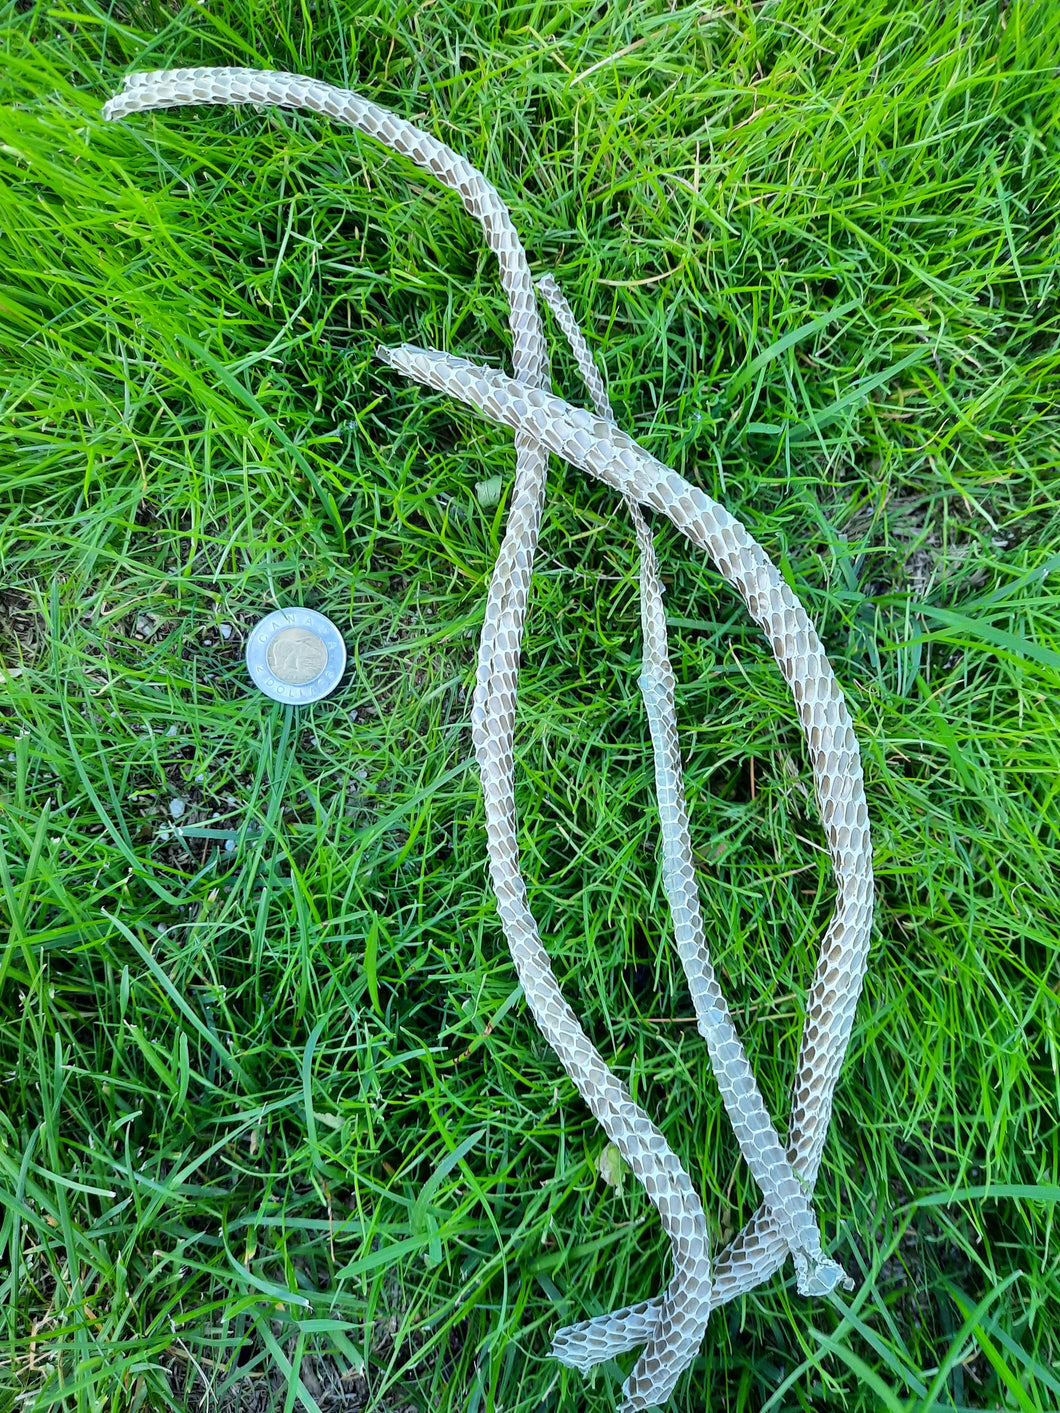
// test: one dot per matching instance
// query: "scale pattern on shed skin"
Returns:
(589, 441)
(670, 1327)
(759, 1144)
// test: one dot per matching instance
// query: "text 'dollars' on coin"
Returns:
(296, 655)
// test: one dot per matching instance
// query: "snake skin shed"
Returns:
(671, 1326)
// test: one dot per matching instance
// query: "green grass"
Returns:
(275, 1114)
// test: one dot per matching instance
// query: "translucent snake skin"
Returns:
(670, 1327)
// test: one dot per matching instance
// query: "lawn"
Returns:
(276, 1128)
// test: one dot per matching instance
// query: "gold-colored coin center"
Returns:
(296, 656)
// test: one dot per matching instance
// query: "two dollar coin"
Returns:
(296, 655)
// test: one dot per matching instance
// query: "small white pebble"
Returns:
(225, 630)
(172, 731)
(199, 779)
(176, 808)
(230, 846)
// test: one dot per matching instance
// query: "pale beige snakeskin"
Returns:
(594, 444)
(759, 1144)
(671, 1326)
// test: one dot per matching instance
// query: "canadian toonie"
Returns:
(295, 655)
(669, 1327)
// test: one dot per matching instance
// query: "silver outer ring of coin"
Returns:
(296, 655)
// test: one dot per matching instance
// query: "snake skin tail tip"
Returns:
(581, 1355)
(821, 1278)
(570, 1359)
(399, 355)
(566, 1361)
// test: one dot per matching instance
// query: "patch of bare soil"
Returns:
(21, 630)
(331, 1382)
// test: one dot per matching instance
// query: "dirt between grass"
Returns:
(335, 1387)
